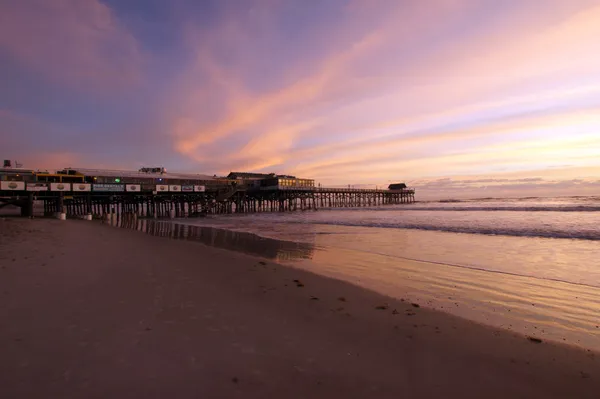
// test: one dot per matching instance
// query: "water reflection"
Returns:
(226, 239)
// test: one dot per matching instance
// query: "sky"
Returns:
(457, 98)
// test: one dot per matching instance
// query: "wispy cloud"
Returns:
(361, 97)
(75, 42)
(333, 77)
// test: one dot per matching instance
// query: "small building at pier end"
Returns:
(397, 187)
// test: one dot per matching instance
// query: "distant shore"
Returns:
(92, 311)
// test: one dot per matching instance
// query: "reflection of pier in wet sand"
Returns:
(226, 239)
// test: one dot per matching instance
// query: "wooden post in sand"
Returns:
(61, 206)
(27, 208)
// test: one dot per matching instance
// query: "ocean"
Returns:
(530, 265)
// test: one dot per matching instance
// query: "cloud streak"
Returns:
(76, 42)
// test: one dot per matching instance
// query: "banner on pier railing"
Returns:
(199, 189)
(174, 188)
(37, 187)
(108, 187)
(135, 188)
(187, 189)
(12, 185)
(82, 187)
(60, 186)
(162, 188)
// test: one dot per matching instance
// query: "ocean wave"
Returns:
(492, 231)
(545, 208)
(577, 208)
(563, 199)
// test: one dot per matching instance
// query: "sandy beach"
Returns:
(92, 311)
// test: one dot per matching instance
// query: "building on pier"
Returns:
(249, 176)
(16, 174)
(397, 187)
(248, 180)
(270, 181)
(142, 176)
(287, 183)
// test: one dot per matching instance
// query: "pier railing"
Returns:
(362, 190)
(223, 196)
(337, 189)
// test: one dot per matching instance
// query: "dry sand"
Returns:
(91, 311)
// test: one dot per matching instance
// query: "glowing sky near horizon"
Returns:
(453, 96)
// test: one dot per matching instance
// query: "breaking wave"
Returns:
(517, 232)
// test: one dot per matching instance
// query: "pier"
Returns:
(152, 193)
(178, 205)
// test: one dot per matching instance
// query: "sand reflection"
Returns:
(226, 239)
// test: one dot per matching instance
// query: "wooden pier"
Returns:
(178, 205)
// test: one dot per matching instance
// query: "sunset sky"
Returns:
(454, 97)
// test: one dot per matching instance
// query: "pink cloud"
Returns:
(331, 78)
(37, 143)
(48, 160)
(75, 42)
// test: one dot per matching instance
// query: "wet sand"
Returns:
(91, 311)
(514, 283)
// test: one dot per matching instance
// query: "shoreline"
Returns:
(527, 305)
(97, 312)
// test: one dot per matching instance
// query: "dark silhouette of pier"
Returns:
(225, 201)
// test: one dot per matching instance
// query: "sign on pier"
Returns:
(12, 185)
(133, 188)
(60, 186)
(37, 187)
(82, 187)
(108, 187)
